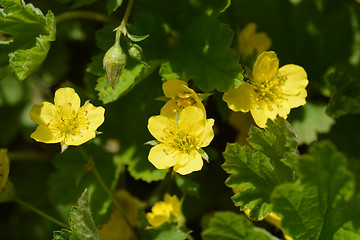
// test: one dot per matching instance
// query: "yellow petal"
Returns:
(4, 167)
(67, 100)
(261, 115)
(43, 113)
(296, 79)
(160, 126)
(46, 135)
(192, 121)
(208, 134)
(297, 100)
(170, 109)
(174, 87)
(195, 164)
(95, 115)
(76, 140)
(239, 99)
(261, 42)
(266, 66)
(244, 39)
(162, 156)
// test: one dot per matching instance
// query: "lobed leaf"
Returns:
(311, 120)
(344, 95)
(30, 32)
(231, 226)
(254, 173)
(321, 204)
(82, 219)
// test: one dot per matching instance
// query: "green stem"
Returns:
(122, 27)
(89, 15)
(41, 213)
(92, 167)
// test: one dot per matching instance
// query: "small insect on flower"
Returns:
(168, 210)
(65, 122)
(181, 96)
(271, 91)
(180, 141)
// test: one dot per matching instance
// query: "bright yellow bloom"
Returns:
(65, 121)
(272, 90)
(250, 41)
(168, 210)
(180, 140)
(181, 96)
(4, 167)
(117, 228)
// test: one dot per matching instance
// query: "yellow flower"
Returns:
(181, 96)
(271, 91)
(4, 168)
(249, 41)
(180, 140)
(168, 210)
(117, 228)
(65, 121)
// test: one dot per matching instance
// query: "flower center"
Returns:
(70, 123)
(184, 102)
(180, 140)
(268, 92)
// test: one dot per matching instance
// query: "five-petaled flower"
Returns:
(250, 41)
(181, 96)
(65, 121)
(271, 91)
(180, 140)
(168, 210)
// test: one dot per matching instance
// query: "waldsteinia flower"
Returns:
(271, 91)
(180, 140)
(181, 96)
(65, 122)
(168, 210)
(250, 41)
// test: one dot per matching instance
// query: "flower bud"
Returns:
(135, 51)
(114, 62)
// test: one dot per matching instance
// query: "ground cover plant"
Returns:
(179, 119)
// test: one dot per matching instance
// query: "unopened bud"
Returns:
(114, 62)
(135, 51)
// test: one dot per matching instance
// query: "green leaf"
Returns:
(28, 49)
(310, 120)
(137, 38)
(166, 72)
(187, 186)
(344, 94)
(113, 5)
(203, 54)
(166, 231)
(71, 177)
(82, 219)
(320, 205)
(254, 173)
(64, 234)
(231, 226)
(133, 73)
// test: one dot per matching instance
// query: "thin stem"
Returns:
(122, 27)
(89, 15)
(41, 213)
(92, 167)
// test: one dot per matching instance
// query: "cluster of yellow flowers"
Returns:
(181, 130)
